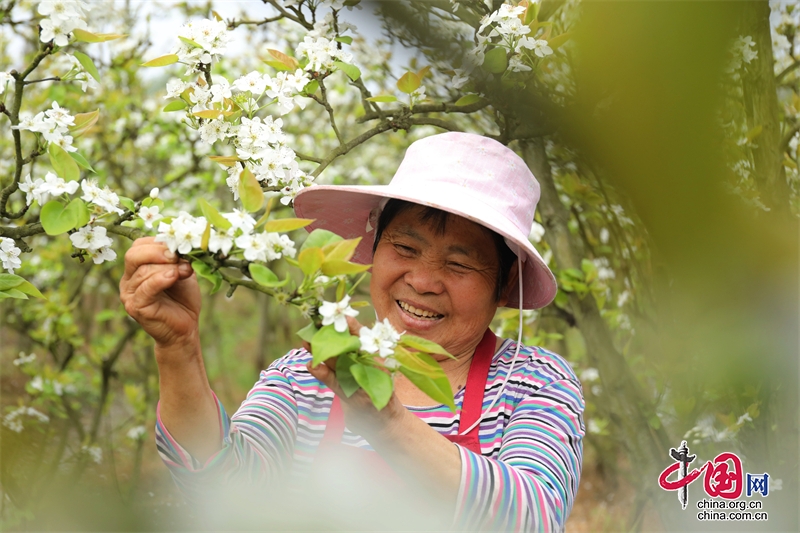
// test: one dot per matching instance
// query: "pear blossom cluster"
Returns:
(41, 190)
(211, 36)
(52, 124)
(183, 234)
(78, 73)
(506, 30)
(743, 50)
(95, 240)
(322, 53)
(61, 17)
(380, 339)
(9, 254)
(13, 419)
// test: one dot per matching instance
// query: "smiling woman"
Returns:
(448, 243)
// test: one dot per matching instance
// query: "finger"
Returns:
(147, 253)
(354, 325)
(327, 376)
(143, 240)
(151, 280)
(307, 346)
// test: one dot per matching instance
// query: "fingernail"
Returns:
(169, 254)
(185, 268)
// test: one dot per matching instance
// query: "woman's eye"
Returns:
(405, 250)
(460, 267)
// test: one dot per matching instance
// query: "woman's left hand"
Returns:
(361, 416)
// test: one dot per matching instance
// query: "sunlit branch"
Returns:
(323, 101)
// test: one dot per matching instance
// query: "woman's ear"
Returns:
(511, 284)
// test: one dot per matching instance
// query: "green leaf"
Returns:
(87, 64)
(149, 202)
(376, 383)
(352, 71)
(346, 39)
(319, 238)
(438, 389)
(203, 270)
(81, 210)
(127, 203)
(311, 87)
(84, 121)
(277, 65)
(343, 251)
(89, 37)
(495, 60)
(557, 41)
(162, 61)
(213, 216)
(327, 343)
(28, 288)
(56, 218)
(344, 375)
(266, 277)
(175, 105)
(423, 345)
(63, 164)
(409, 82)
(81, 161)
(310, 260)
(383, 98)
(654, 421)
(210, 114)
(338, 268)
(307, 333)
(283, 225)
(468, 99)
(290, 62)
(190, 42)
(250, 192)
(13, 293)
(419, 362)
(9, 281)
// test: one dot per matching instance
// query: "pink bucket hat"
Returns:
(468, 175)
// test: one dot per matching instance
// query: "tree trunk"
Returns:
(761, 105)
(628, 407)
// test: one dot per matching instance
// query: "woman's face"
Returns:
(440, 287)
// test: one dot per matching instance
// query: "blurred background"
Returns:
(664, 137)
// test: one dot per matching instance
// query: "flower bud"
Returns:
(154, 193)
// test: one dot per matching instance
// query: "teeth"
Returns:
(417, 312)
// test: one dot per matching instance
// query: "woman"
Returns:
(448, 243)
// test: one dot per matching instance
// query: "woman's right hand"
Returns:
(161, 293)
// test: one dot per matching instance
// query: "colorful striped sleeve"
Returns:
(531, 484)
(256, 443)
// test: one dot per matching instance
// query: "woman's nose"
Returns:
(425, 278)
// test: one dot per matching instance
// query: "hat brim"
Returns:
(345, 210)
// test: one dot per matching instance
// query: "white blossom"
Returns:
(589, 375)
(183, 234)
(221, 241)
(240, 219)
(5, 77)
(154, 193)
(90, 238)
(136, 432)
(336, 313)
(9, 254)
(537, 232)
(104, 198)
(381, 338)
(211, 35)
(255, 82)
(95, 452)
(149, 215)
(24, 359)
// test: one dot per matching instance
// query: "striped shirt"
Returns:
(525, 478)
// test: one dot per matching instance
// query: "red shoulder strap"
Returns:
(472, 407)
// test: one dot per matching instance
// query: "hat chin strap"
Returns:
(513, 361)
